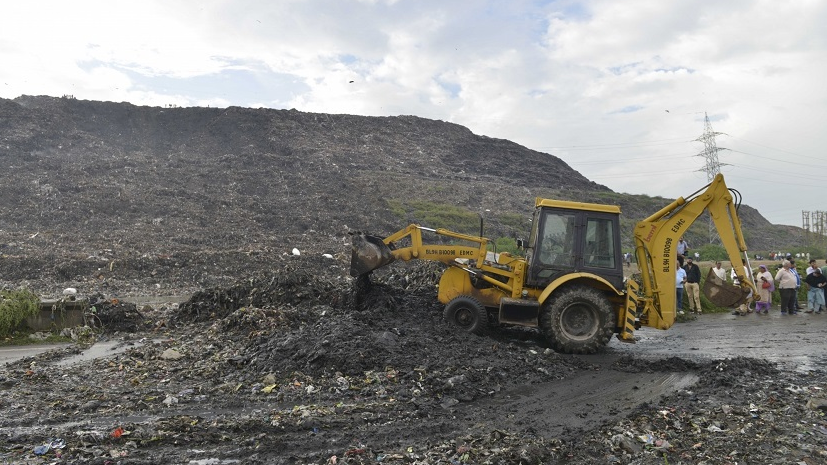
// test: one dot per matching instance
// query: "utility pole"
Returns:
(711, 165)
(814, 224)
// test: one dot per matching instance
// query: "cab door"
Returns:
(601, 247)
(567, 240)
(553, 245)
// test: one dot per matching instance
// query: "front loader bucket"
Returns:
(368, 254)
(722, 293)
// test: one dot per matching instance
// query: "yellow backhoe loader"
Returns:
(570, 284)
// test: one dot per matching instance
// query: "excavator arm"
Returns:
(656, 241)
(371, 252)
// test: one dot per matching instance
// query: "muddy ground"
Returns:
(295, 366)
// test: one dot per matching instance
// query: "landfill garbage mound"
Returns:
(306, 365)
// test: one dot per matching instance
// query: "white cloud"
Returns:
(588, 80)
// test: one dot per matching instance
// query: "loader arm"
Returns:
(371, 252)
(656, 241)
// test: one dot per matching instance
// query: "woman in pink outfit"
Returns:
(764, 293)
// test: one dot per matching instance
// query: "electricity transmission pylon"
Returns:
(815, 227)
(711, 164)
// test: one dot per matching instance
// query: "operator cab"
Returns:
(569, 237)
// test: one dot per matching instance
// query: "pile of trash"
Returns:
(302, 280)
(307, 365)
(113, 315)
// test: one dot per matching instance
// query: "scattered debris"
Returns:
(306, 365)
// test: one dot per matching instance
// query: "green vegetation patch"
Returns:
(15, 307)
(507, 244)
(439, 215)
(514, 222)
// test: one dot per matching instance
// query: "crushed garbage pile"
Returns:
(115, 315)
(297, 283)
(305, 365)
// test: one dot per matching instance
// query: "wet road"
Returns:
(795, 341)
(13, 353)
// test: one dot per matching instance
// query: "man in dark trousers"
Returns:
(693, 285)
(798, 285)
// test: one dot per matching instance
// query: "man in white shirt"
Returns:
(719, 271)
(680, 280)
(811, 267)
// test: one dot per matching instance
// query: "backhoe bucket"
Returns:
(368, 254)
(722, 293)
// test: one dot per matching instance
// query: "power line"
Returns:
(771, 181)
(603, 161)
(615, 145)
(773, 159)
(636, 173)
(815, 177)
(762, 145)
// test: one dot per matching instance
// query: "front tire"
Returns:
(467, 314)
(577, 320)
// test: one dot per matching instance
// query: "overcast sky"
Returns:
(617, 89)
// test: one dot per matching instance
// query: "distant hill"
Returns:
(201, 194)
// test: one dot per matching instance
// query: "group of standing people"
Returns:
(787, 281)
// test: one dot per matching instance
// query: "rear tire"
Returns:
(467, 314)
(577, 320)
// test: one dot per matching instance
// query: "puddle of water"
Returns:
(801, 363)
(792, 342)
(212, 461)
(157, 300)
(99, 349)
(103, 349)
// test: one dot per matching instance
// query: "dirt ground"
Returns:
(300, 366)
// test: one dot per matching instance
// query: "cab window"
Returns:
(599, 248)
(557, 240)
